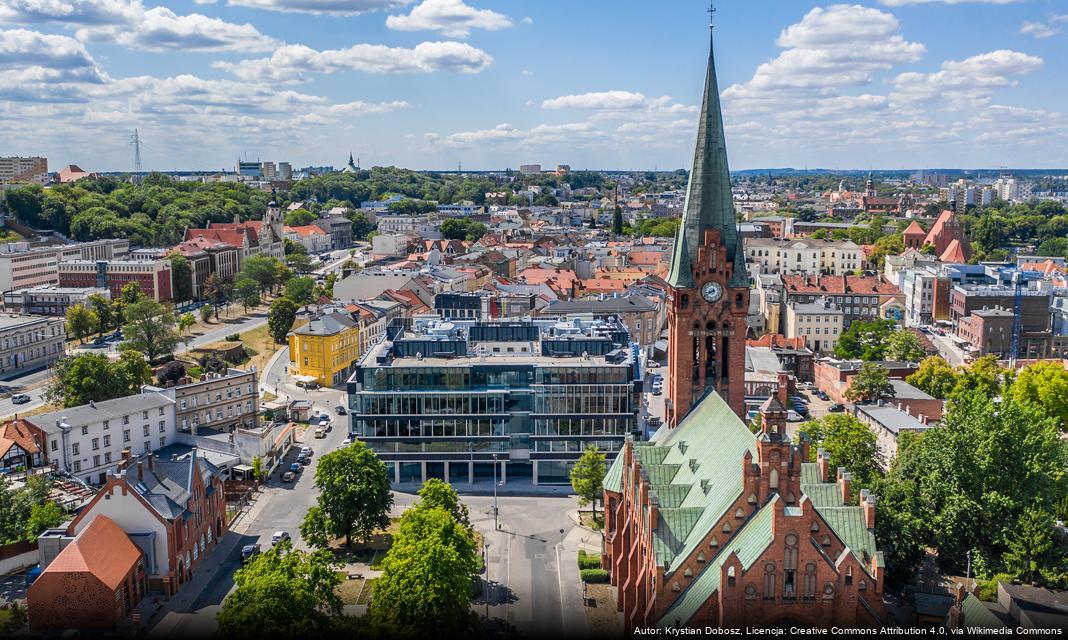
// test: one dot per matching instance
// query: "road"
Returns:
(949, 351)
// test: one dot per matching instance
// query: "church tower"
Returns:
(709, 284)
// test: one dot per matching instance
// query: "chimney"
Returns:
(867, 502)
(126, 455)
(783, 392)
(151, 466)
(140, 471)
(845, 484)
(823, 464)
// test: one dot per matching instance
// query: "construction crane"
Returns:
(1017, 319)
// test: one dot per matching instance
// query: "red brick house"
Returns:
(176, 508)
(711, 525)
(94, 582)
(834, 377)
(21, 444)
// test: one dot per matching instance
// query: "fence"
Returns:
(17, 556)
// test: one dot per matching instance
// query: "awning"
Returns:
(305, 378)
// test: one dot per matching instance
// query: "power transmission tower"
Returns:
(135, 140)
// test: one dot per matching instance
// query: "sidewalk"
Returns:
(573, 613)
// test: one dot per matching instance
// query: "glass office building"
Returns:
(449, 399)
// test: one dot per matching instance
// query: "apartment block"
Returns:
(153, 276)
(30, 342)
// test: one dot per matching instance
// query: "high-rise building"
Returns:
(285, 171)
(18, 169)
(709, 285)
(268, 170)
(528, 169)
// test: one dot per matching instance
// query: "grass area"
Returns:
(587, 519)
(261, 345)
(601, 615)
(268, 397)
(349, 590)
(365, 593)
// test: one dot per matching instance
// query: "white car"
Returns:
(346, 442)
(279, 536)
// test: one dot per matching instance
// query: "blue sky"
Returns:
(492, 84)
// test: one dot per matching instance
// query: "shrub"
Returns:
(594, 575)
(233, 337)
(588, 561)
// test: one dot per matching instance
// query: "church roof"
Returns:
(709, 202)
(938, 227)
(914, 229)
(954, 252)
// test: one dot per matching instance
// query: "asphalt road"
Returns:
(947, 349)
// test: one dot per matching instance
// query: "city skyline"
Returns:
(434, 83)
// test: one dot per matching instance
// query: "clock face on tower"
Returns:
(711, 291)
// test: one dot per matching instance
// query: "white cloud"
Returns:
(292, 63)
(597, 100)
(902, 3)
(526, 72)
(964, 83)
(79, 12)
(528, 20)
(28, 58)
(160, 28)
(451, 17)
(323, 7)
(1039, 30)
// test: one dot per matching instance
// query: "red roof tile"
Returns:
(101, 549)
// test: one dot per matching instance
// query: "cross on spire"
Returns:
(711, 12)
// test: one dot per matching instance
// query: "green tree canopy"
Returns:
(300, 290)
(85, 377)
(261, 269)
(870, 384)
(181, 276)
(280, 318)
(150, 328)
(438, 493)
(300, 218)
(934, 377)
(850, 443)
(864, 340)
(282, 592)
(587, 474)
(1044, 384)
(354, 497)
(81, 321)
(903, 345)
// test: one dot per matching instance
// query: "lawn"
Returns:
(350, 590)
(260, 345)
(602, 617)
(365, 594)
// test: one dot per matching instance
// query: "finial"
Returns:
(711, 11)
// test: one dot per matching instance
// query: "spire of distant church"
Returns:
(709, 203)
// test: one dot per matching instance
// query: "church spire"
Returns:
(709, 203)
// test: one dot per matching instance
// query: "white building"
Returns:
(1013, 189)
(820, 323)
(312, 237)
(804, 256)
(49, 300)
(918, 289)
(88, 440)
(30, 342)
(22, 267)
(18, 169)
(462, 210)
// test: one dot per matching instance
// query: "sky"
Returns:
(492, 84)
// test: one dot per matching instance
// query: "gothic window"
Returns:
(675, 586)
(730, 576)
(815, 526)
(739, 302)
(769, 581)
(684, 301)
(790, 498)
(849, 576)
(826, 541)
(752, 499)
(810, 580)
(862, 585)
(710, 355)
(773, 479)
(789, 589)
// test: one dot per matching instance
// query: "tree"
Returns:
(850, 443)
(181, 276)
(935, 377)
(904, 345)
(354, 492)
(261, 269)
(101, 306)
(299, 263)
(280, 318)
(131, 294)
(1044, 384)
(617, 221)
(425, 585)
(79, 379)
(300, 290)
(586, 477)
(247, 291)
(315, 528)
(205, 312)
(969, 482)
(864, 340)
(361, 226)
(81, 321)
(185, 323)
(282, 592)
(870, 384)
(300, 218)
(1030, 553)
(214, 291)
(438, 493)
(45, 515)
(150, 328)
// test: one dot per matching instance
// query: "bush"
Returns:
(588, 561)
(594, 575)
(233, 337)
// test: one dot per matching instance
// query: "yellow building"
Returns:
(325, 349)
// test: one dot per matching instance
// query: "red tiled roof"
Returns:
(938, 227)
(101, 549)
(838, 284)
(954, 252)
(232, 237)
(914, 229)
(19, 432)
(777, 340)
(307, 230)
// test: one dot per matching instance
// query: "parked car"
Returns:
(347, 441)
(836, 407)
(295, 467)
(289, 476)
(20, 398)
(655, 421)
(793, 416)
(657, 389)
(822, 396)
(652, 364)
(340, 410)
(279, 536)
(302, 459)
(248, 552)
(320, 432)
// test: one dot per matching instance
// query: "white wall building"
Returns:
(820, 323)
(804, 256)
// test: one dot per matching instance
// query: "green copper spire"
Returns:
(709, 203)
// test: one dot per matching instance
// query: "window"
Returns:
(96, 460)
(125, 435)
(163, 442)
(162, 428)
(77, 466)
(144, 429)
(85, 431)
(107, 425)
(148, 447)
(126, 419)
(96, 444)
(161, 410)
(55, 445)
(144, 415)
(107, 457)
(769, 581)
(75, 448)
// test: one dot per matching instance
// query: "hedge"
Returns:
(233, 337)
(594, 575)
(588, 561)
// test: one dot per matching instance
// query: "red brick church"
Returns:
(709, 524)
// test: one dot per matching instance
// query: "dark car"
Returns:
(295, 467)
(340, 410)
(248, 552)
(836, 407)
(655, 421)
(302, 459)
(822, 396)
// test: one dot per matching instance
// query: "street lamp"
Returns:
(496, 521)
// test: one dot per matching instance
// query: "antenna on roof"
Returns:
(135, 140)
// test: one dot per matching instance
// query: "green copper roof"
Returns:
(613, 480)
(810, 473)
(823, 495)
(848, 523)
(976, 614)
(753, 538)
(709, 203)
